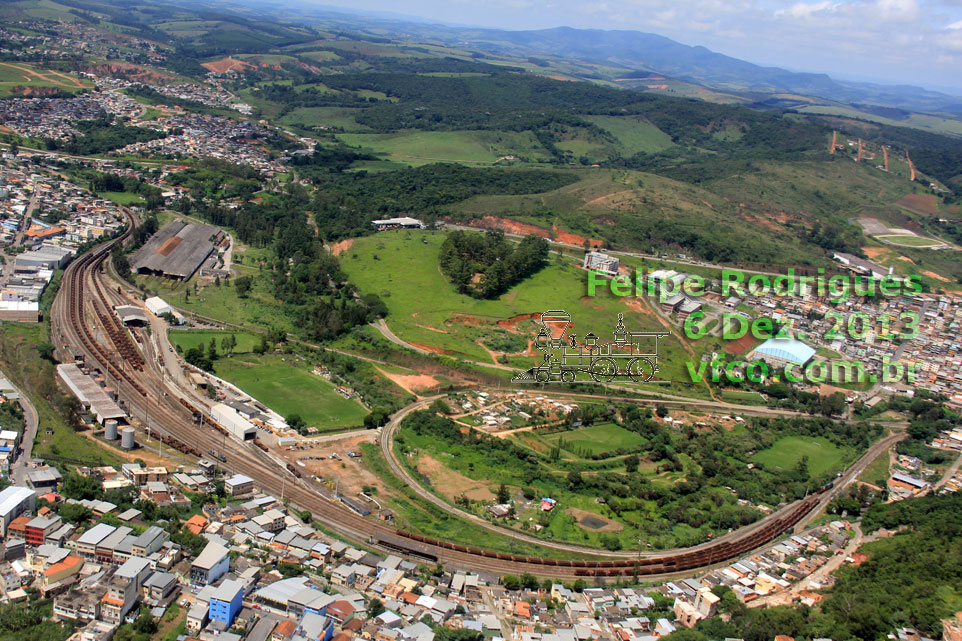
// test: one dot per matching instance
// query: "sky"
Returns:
(915, 42)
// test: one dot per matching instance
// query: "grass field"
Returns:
(916, 120)
(14, 75)
(470, 147)
(877, 472)
(185, 339)
(597, 439)
(743, 396)
(122, 197)
(324, 116)
(634, 134)
(402, 268)
(907, 240)
(287, 387)
(786, 452)
(259, 309)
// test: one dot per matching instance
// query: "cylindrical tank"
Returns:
(127, 438)
(110, 430)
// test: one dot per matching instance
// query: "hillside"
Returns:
(639, 169)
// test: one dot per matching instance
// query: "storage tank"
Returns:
(127, 438)
(110, 430)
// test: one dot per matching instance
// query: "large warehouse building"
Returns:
(177, 251)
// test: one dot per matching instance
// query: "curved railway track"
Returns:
(83, 321)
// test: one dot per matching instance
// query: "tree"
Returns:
(631, 463)
(462, 634)
(374, 608)
(832, 405)
(503, 495)
(511, 582)
(243, 286)
(296, 422)
(228, 344)
(212, 350)
(661, 411)
(529, 581)
(46, 351)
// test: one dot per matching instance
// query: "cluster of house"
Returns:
(498, 411)
(192, 135)
(49, 39)
(208, 95)
(934, 352)
(103, 574)
(25, 197)
(908, 477)
(57, 117)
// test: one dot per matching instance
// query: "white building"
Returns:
(596, 261)
(231, 420)
(14, 501)
(158, 306)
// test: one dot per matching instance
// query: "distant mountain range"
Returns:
(635, 51)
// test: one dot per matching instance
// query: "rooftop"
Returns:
(13, 496)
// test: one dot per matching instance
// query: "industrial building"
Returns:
(158, 306)
(398, 223)
(90, 393)
(781, 351)
(14, 501)
(232, 421)
(131, 315)
(46, 257)
(177, 251)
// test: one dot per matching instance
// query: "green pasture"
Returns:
(786, 452)
(288, 387)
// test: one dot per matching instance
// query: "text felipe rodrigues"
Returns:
(734, 282)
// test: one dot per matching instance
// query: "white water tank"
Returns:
(110, 430)
(127, 438)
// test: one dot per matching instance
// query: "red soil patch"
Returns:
(511, 324)
(225, 65)
(637, 306)
(742, 345)
(574, 239)
(433, 349)
(874, 252)
(470, 321)
(924, 204)
(131, 72)
(936, 276)
(412, 383)
(342, 246)
(29, 92)
(517, 227)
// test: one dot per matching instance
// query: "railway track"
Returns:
(83, 320)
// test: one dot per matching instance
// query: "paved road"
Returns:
(18, 469)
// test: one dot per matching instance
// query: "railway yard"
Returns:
(84, 327)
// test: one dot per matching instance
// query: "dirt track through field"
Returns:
(62, 79)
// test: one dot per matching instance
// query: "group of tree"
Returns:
(487, 265)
